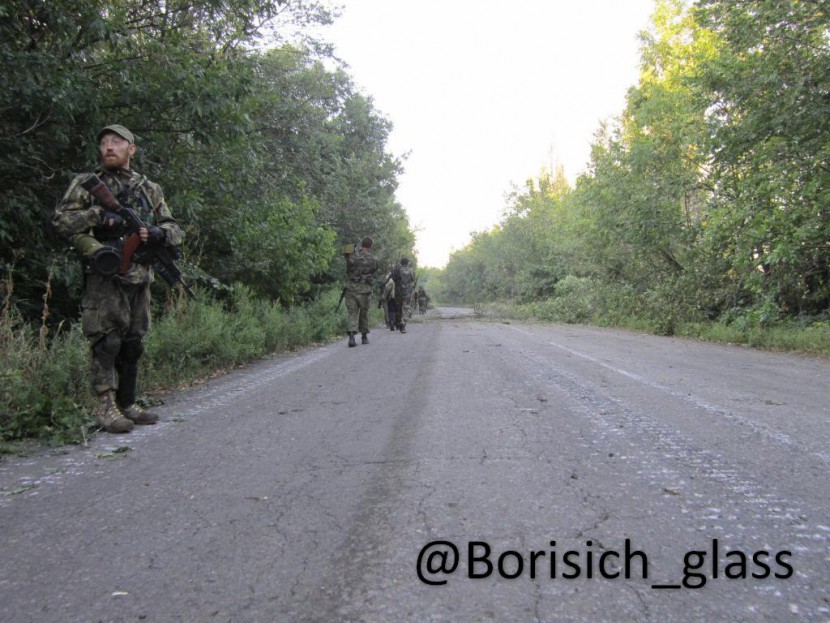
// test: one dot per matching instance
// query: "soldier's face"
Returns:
(115, 151)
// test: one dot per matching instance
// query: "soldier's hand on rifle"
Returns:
(111, 219)
(151, 235)
(110, 225)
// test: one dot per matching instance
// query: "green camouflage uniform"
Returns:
(360, 268)
(387, 300)
(404, 285)
(116, 309)
(423, 301)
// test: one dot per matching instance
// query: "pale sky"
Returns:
(484, 95)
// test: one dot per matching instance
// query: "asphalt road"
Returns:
(580, 475)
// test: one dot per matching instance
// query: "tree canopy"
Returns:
(268, 154)
(710, 193)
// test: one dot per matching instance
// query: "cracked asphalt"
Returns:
(581, 474)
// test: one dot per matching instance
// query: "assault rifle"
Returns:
(160, 256)
(342, 294)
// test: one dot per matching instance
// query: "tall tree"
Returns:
(769, 109)
(250, 183)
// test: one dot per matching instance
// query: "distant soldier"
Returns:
(116, 300)
(423, 300)
(360, 269)
(404, 286)
(387, 300)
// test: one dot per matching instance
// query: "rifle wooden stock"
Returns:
(162, 256)
(95, 187)
(103, 195)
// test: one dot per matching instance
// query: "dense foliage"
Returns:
(268, 156)
(267, 153)
(45, 389)
(709, 197)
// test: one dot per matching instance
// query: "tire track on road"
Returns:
(747, 510)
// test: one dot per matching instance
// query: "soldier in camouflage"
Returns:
(387, 300)
(116, 304)
(404, 285)
(423, 300)
(360, 269)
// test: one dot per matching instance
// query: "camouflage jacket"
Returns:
(360, 270)
(404, 281)
(78, 214)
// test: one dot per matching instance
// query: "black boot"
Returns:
(351, 339)
(127, 378)
(364, 339)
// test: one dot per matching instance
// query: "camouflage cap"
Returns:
(120, 130)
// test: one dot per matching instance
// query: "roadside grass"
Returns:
(44, 383)
(582, 301)
(789, 336)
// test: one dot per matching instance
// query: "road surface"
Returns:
(464, 471)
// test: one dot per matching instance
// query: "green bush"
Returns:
(808, 337)
(45, 388)
(195, 338)
(665, 310)
(44, 384)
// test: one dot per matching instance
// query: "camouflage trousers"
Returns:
(390, 313)
(404, 309)
(357, 304)
(114, 315)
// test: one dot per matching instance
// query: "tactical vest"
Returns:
(132, 194)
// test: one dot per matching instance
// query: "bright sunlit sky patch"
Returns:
(484, 95)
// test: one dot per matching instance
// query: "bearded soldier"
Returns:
(116, 300)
